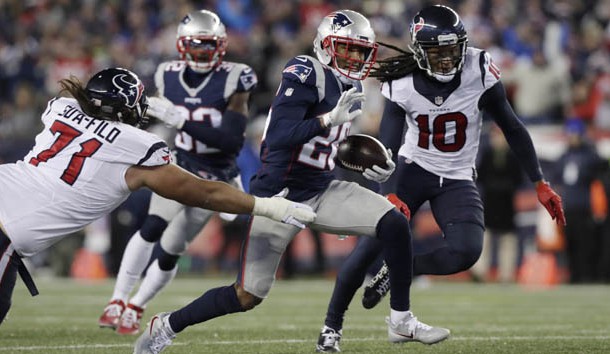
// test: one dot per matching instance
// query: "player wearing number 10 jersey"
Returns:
(440, 91)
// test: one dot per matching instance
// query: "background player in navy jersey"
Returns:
(440, 91)
(206, 99)
(87, 160)
(311, 112)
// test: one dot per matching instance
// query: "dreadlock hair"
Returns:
(75, 88)
(394, 67)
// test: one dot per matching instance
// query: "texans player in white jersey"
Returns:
(206, 99)
(440, 91)
(311, 112)
(88, 159)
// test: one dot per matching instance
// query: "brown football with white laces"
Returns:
(360, 151)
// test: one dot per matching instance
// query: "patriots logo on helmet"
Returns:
(130, 90)
(340, 20)
(299, 70)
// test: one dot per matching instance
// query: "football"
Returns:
(360, 151)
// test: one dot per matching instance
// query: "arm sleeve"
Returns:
(229, 137)
(390, 134)
(288, 126)
(494, 103)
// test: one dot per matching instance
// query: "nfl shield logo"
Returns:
(438, 100)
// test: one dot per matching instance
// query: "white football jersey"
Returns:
(74, 174)
(444, 128)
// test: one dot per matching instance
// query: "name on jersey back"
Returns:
(101, 128)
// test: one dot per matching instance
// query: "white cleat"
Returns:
(411, 330)
(156, 337)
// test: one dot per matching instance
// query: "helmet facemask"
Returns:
(202, 53)
(352, 58)
(441, 59)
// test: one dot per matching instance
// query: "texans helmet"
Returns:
(439, 42)
(201, 40)
(353, 31)
(117, 94)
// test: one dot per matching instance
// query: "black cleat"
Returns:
(377, 288)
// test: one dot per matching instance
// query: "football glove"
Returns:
(341, 113)
(551, 201)
(400, 205)
(379, 174)
(164, 110)
(283, 210)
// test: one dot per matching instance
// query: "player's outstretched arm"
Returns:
(173, 182)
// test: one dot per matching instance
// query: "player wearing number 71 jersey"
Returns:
(86, 162)
(440, 90)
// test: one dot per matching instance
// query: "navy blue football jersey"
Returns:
(203, 98)
(296, 151)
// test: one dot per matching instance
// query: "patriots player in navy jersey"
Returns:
(312, 111)
(440, 90)
(206, 99)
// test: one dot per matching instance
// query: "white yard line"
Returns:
(273, 341)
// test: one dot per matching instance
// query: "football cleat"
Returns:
(156, 337)
(328, 341)
(111, 315)
(129, 322)
(412, 330)
(377, 288)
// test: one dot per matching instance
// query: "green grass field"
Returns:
(483, 318)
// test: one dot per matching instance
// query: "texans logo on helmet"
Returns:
(299, 70)
(130, 90)
(418, 26)
(340, 20)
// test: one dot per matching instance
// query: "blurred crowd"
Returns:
(554, 54)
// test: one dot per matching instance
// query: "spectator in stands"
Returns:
(577, 168)
(498, 180)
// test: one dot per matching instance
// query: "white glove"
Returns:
(379, 174)
(280, 209)
(163, 109)
(341, 113)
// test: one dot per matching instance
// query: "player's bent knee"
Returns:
(247, 300)
(153, 228)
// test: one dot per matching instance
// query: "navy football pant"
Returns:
(457, 209)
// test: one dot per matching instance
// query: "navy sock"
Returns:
(393, 230)
(350, 277)
(214, 303)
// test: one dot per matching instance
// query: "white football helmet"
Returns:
(201, 40)
(353, 32)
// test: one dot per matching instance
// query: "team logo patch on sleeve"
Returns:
(248, 81)
(300, 71)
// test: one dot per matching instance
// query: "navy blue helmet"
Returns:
(439, 41)
(118, 94)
